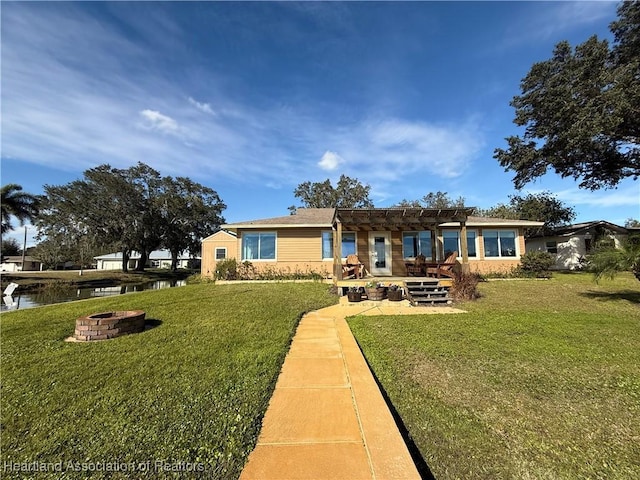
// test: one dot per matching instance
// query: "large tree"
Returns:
(581, 111)
(189, 212)
(539, 207)
(348, 193)
(434, 200)
(126, 210)
(16, 203)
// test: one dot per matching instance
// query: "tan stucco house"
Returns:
(384, 239)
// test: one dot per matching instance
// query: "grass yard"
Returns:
(192, 389)
(539, 380)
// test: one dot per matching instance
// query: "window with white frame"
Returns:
(499, 243)
(259, 246)
(451, 242)
(348, 244)
(221, 253)
(416, 243)
(552, 246)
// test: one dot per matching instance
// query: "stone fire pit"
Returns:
(102, 326)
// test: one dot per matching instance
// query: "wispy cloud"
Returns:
(623, 197)
(551, 20)
(203, 107)
(94, 96)
(154, 120)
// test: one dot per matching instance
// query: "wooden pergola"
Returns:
(397, 219)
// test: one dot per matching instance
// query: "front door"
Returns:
(380, 252)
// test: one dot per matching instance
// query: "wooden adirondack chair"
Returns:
(417, 268)
(442, 269)
(353, 268)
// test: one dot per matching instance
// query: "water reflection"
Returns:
(68, 293)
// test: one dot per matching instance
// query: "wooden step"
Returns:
(427, 292)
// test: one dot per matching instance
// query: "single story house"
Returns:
(13, 263)
(157, 259)
(571, 243)
(383, 238)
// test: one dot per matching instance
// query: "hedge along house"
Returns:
(384, 239)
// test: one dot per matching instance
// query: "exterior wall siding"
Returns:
(208, 253)
(300, 249)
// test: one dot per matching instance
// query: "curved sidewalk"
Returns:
(327, 418)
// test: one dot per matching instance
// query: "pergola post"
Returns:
(337, 252)
(464, 247)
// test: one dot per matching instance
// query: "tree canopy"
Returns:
(581, 111)
(434, 200)
(541, 207)
(348, 193)
(16, 203)
(127, 210)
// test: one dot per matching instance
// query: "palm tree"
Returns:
(608, 261)
(14, 202)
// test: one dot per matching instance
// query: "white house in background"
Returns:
(570, 244)
(157, 259)
(13, 263)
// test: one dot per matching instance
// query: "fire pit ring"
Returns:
(105, 325)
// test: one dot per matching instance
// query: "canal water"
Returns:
(48, 296)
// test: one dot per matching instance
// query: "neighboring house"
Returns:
(219, 246)
(383, 238)
(570, 244)
(157, 259)
(13, 263)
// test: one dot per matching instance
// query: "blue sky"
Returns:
(252, 99)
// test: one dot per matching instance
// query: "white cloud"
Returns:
(203, 107)
(549, 20)
(330, 161)
(93, 96)
(157, 121)
(623, 197)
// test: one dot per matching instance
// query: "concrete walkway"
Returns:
(327, 418)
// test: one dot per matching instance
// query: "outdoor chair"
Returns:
(355, 266)
(417, 267)
(442, 269)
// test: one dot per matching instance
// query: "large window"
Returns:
(416, 243)
(451, 242)
(259, 246)
(499, 243)
(348, 244)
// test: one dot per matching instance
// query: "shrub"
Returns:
(465, 286)
(227, 269)
(537, 264)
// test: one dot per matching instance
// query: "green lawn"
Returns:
(539, 380)
(192, 389)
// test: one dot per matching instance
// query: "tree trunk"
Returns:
(174, 261)
(142, 263)
(125, 261)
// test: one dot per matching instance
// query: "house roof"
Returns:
(155, 255)
(379, 218)
(304, 217)
(221, 233)
(18, 259)
(577, 228)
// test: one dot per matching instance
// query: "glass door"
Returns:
(380, 251)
